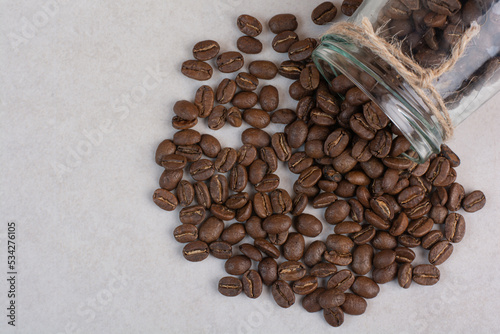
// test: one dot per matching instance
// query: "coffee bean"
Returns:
(210, 230)
(185, 110)
(263, 69)
(456, 193)
(268, 270)
(338, 258)
(364, 236)
(399, 225)
(291, 271)
(185, 233)
(404, 255)
(377, 221)
(257, 170)
(219, 188)
(170, 179)
(244, 213)
(238, 178)
(365, 287)
(164, 149)
(230, 286)
(262, 206)
(361, 127)
(439, 197)
(183, 124)
(237, 265)
(305, 285)
(246, 155)
(206, 50)
(337, 212)
(266, 247)
(197, 70)
(268, 183)
(334, 316)
(204, 101)
(297, 92)
(310, 302)
(234, 117)
(447, 152)
(185, 193)
(383, 240)
(187, 137)
(474, 201)
(300, 50)
(314, 253)
(222, 212)
(281, 201)
(283, 116)
(253, 227)
(385, 275)
(217, 118)
(291, 70)
(293, 248)
(225, 91)
(420, 227)
(342, 280)
(249, 25)
(382, 207)
(192, 214)
(225, 160)
(229, 62)
(255, 137)
(323, 269)
(324, 13)
(257, 118)
(354, 304)
(251, 252)
(201, 170)
(233, 234)
(276, 223)
(297, 133)
(454, 228)
(431, 238)
(336, 142)
(323, 200)
(440, 252)
(245, 100)
(347, 227)
(237, 201)
(195, 251)
(165, 199)
(405, 274)
(247, 81)
(445, 7)
(221, 250)
(350, 6)
(283, 22)
(252, 284)
(331, 297)
(309, 77)
(249, 45)
(282, 41)
(283, 294)
(269, 98)
(426, 274)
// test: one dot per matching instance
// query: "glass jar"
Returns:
(426, 31)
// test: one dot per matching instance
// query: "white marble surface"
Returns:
(86, 93)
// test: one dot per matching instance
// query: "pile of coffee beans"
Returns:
(348, 158)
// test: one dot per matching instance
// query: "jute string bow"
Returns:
(420, 79)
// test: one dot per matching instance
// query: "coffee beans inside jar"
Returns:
(373, 205)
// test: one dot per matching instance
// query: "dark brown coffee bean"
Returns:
(365, 287)
(377, 221)
(201, 170)
(191, 152)
(252, 284)
(444, 7)
(246, 155)
(210, 230)
(314, 253)
(217, 118)
(237, 265)
(263, 69)
(185, 110)
(192, 214)
(283, 22)
(310, 176)
(269, 182)
(300, 50)
(206, 50)
(234, 117)
(299, 162)
(185, 193)
(431, 238)
(364, 236)
(291, 70)
(404, 255)
(230, 286)
(257, 170)
(247, 81)
(324, 13)
(234, 233)
(385, 275)
(362, 259)
(266, 247)
(440, 252)
(262, 206)
(281, 201)
(256, 118)
(409, 241)
(251, 252)
(225, 91)
(384, 258)
(238, 178)
(390, 179)
(347, 227)
(337, 212)
(334, 316)
(185, 233)
(283, 116)
(323, 269)
(323, 200)
(237, 200)
(448, 153)
(183, 124)
(305, 285)
(297, 92)
(165, 199)
(197, 70)
(373, 168)
(342, 280)
(338, 258)
(204, 101)
(249, 45)
(297, 133)
(169, 179)
(210, 145)
(399, 225)
(454, 228)
(405, 275)
(282, 41)
(380, 146)
(219, 189)
(309, 77)
(339, 243)
(245, 100)
(381, 206)
(439, 197)
(361, 127)
(310, 302)
(331, 298)
(350, 6)
(268, 270)
(280, 146)
(411, 196)
(195, 251)
(276, 223)
(293, 248)
(221, 250)
(374, 116)
(426, 274)
(222, 212)
(229, 62)
(249, 25)
(283, 294)
(336, 142)
(255, 137)
(438, 170)
(383, 240)
(291, 271)
(420, 227)
(456, 193)
(253, 227)
(304, 107)
(244, 213)
(341, 84)
(165, 148)
(474, 201)
(269, 98)
(225, 159)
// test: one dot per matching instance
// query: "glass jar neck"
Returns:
(337, 55)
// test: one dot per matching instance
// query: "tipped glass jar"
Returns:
(426, 31)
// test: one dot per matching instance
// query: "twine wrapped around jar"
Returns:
(420, 79)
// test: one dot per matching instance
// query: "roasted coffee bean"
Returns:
(283, 294)
(249, 45)
(377, 221)
(361, 150)
(221, 250)
(245, 100)
(431, 238)
(257, 170)
(334, 316)
(382, 207)
(268, 183)
(201, 170)
(283, 116)
(361, 127)
(456, 193)
(206, 50)
(255, 137)
(439, 197)
(365, 287)
(342, 280)
(405, 274)
(192, 214)
(397, 10)
(283, 22)
(373, 168)
(331, 297)
(263, 69)
(299, 162)
(294, 246)
(165, 148)
(191, 152)
(297, 134)
(420, 227)
(237, 265)
(246, 155)
(219, 188)
(247, 81)
(197, 70)
(380, 146)
(308, 225)
(341, 84)
(438, 170)
(383, 240)
(421, 182)
(362, 259)
(225, 91)
(222, 212)
(337, 212)
(324, 13)
(384, 258)
(338, 258)
(185, 110)
(234, 117)
(314, 253)
(323, 269)
(170, 179)
(474, 201)
(244, 213)
(347, 227)
(404, 255)
(323, 200)
(354, 304)
(165, 199)
(249, 25)
(217, 118)
(336, 143)
(450, 155)
(385, 275)
(440, 252)
(304, 107)
(426, 274)
(411, 196)
(454, 227)
(298, 92)
(225, 159)
(253, 227)
(230, 286)
(204, 101)
(350, 6)
(281, 201)
(237, 201)
(291, 70)
(234, 233)
(309, 77)
(268, 270)
(291, 271)
(196, 251)
(310, 302)
(251, 252)
(229, 62)
(300, 50)
(374, 116)
(399, 225)
(280, 146)
(183, 124)
(339, 243)
(185, 193)
(262, 206)
(310, 176)
(266, 247)
(186, 137)
(185, 233)
(210, 230)
(269, 98)
(278, 239)
(282, 41)
(276, 223)
(256, 118)
(345, 189)
(238, 178)
(364, 236)
(252, 284)
(409, 241)
(445, 7)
